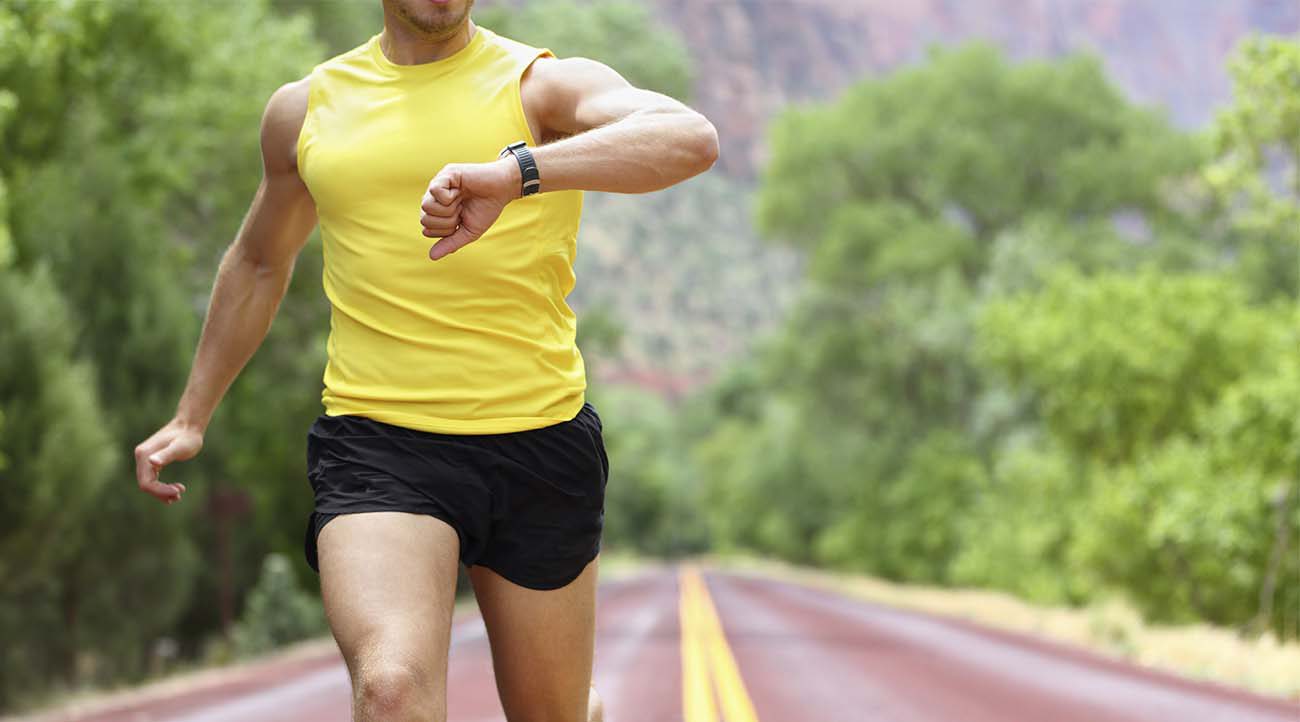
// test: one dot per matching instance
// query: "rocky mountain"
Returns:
(755, 56)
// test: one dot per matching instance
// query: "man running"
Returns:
(455, 424)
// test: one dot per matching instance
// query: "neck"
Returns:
(405, 46)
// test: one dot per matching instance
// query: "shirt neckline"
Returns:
(433, 67)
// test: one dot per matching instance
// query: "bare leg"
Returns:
(388, 580)
(595, 708)
(542, 643)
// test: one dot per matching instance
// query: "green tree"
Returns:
(339, 25)
(1145, 381)
(620, 33)
(1047, 342)
(277, 611)
(1211, 517)
(1256, 170)
(651, 502)
(972, 167)
(1021, 522)
(1255, 436)
(1119, 363)
(129, 162)
(968, 140)
(56, 473)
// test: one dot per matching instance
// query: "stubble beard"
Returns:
(435, 23)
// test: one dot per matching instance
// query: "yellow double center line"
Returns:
(707, 661)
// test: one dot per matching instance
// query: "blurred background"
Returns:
(995, 294)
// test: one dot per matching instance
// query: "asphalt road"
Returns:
(683, 646)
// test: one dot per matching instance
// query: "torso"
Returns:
(492, 319)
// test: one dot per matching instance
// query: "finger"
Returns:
(445, 196)
(445, 187)
(167, 493)
(434, 222)
(179, 448)
(450, 244)
(431, 206)
(162, 491)
(438, 228)
(145, 471)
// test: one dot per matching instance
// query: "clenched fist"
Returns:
(464, 200)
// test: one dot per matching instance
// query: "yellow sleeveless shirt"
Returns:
(481, 341)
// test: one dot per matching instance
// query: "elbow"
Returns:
(258, 266)
(704, 144)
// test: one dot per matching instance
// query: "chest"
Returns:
(379, 144)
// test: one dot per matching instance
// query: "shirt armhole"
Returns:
(518, 92)
(308, 127)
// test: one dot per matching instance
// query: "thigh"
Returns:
(542, 643)
(388, 581)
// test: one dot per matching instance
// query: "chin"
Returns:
(436, 19)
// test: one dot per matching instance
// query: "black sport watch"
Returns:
(532, 180)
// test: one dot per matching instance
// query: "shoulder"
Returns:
(289, 102)
(286, 110)
(572, 72)
(553, 87)
(282, 122)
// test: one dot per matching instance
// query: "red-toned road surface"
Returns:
(804, 655)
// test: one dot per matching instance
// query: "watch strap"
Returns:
(528, 173)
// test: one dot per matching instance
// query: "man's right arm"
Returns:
(251, 281)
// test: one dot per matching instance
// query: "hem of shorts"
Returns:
(539, 585)
(436, 425)
(371, 508)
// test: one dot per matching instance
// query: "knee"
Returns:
(394, 692)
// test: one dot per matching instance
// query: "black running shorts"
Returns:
(528, 504)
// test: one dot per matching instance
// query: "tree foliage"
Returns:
(620, 33)
(127, 166)
(277, 611)
(1116, 363)
(1256, 171)
(1039, 343)
(969, 140)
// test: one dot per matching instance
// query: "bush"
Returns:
(277, 612)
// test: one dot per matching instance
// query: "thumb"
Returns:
(175, 450)
(459, 238)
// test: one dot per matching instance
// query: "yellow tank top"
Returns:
(481, 341)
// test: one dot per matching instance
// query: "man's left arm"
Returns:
(622, 139)
(613, 137)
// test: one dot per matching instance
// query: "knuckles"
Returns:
(431, 204)
(437, 222)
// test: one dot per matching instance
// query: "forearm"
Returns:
(645, 151)
(245, 297)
